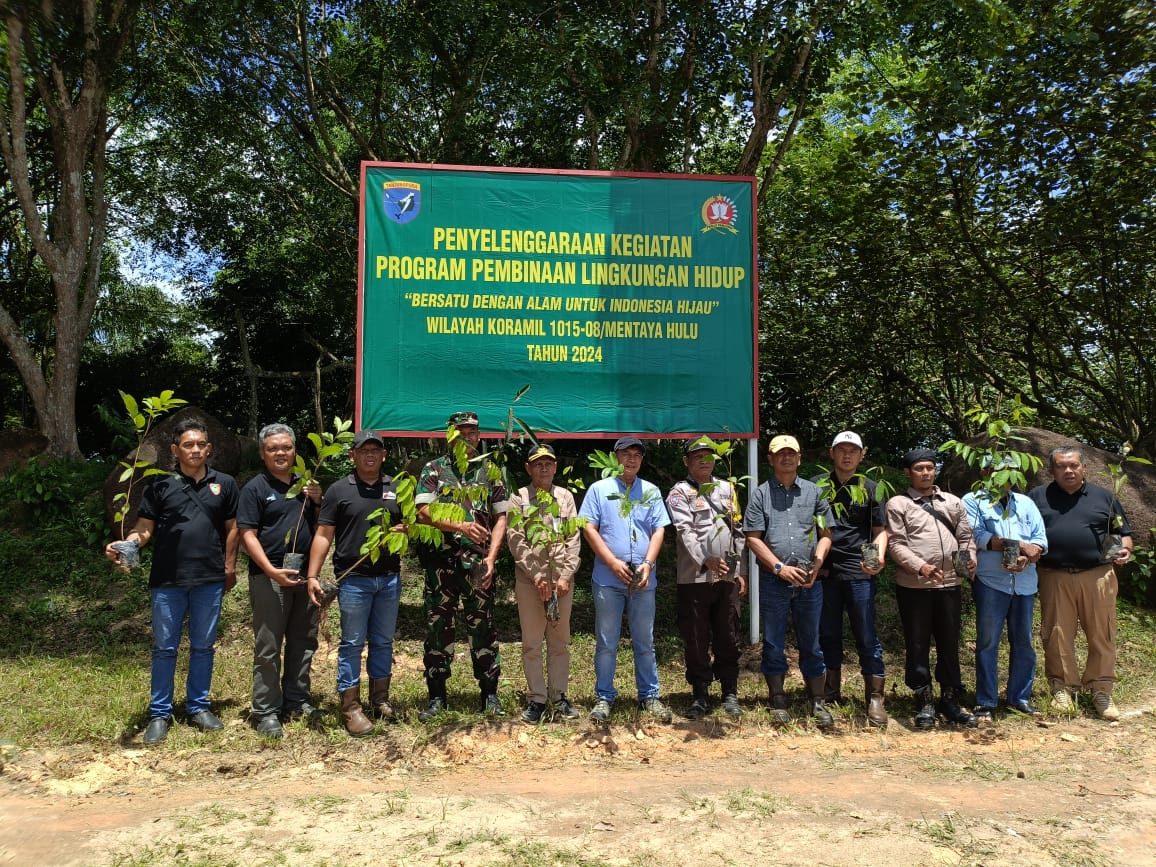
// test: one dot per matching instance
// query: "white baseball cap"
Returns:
(847, 436)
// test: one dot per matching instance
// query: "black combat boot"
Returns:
(953, 711)
(700, 706)
(925, 713)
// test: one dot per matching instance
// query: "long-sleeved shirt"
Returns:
(706, 525)
(1022, 523)
(558, 560)
(916, 536)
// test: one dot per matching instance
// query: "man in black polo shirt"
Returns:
(272, 526)
(370, 593)
(1077, 582)
(191, 518)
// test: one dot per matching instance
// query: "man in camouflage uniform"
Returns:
(461, 571)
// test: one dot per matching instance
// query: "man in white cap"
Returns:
(786, 527)
(848, 582)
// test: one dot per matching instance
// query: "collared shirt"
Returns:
(786, 517)
(916, 536)
(439, 483)
(561, 557)
(346, 508)
(852, 524)
(1077, 523)
(627, 539)
(280, 523)
(703, 525)
(1022, 522)
(189, 534)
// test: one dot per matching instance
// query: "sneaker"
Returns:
(305, 711)
(601, 711)
(658, 709)
(564, 710)
(436, 706)
(697, 709)
(532, 715)
(984, 715)
(1105, 707)
(207, 721)
(157, 731)
(268, 726)
(1062, 701)
(491, 706)
(731, 706)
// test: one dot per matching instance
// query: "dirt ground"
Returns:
(1070, 792)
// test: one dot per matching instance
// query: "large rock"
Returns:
(17, 446)
(227, 453)
(1138, 495)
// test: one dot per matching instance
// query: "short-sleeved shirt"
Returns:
(627, 539)
(1077, 523)
(1021, 522)
(706, 525)
(437, 484)
(264, 508)
(346, 508)
(785, 515)
(852, 524)
(189, 534)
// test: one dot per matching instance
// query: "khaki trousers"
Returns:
(536, 629)
(1088, 598)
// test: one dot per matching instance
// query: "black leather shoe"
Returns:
(1024, 707)
(207, 721)
(269, 726)
(436, 705)
(157, 731)
(311, 715)
(984, 715)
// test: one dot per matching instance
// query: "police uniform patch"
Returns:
(215, 489)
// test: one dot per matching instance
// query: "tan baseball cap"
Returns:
(783, 441)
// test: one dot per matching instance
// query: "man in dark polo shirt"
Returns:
(271, 526)
(1077, 584)
(190, 517)
(370, 593)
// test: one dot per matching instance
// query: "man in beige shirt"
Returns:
(927, 534)
(545, 560)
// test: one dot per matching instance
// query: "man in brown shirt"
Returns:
(927, 528)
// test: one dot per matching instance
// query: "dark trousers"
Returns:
(447, 587)
(856, 596)
(926, 615)
(708, 620)
(283, 617)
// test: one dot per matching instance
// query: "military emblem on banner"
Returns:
(718, 214)
(401, 200)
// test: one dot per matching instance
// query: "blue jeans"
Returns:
(609, 603)
(777, 601)
(202, 604)
(368, 613)
(857, 597)
(994, 608)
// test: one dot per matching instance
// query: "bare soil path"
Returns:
(1070, 792)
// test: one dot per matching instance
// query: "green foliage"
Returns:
(142, 416)
(52, 492)
(1001, 467)
(1118, 478)
(856, 488)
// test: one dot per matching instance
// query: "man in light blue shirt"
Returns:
(626, 520)
(1005, 592)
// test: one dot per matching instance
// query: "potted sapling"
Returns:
(326, 445)
(1113, 544)
(142, 415)
(721, 544)
(610, 467)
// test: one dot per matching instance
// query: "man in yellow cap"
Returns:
(786, 527)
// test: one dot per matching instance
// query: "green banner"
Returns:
(625, 302)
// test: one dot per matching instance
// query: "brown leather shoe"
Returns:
(356, 722)
(379, 699)
(873, 688)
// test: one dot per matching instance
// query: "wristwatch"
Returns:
(649, 563)
(778, 567)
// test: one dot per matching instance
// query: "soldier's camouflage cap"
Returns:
(464, 417)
